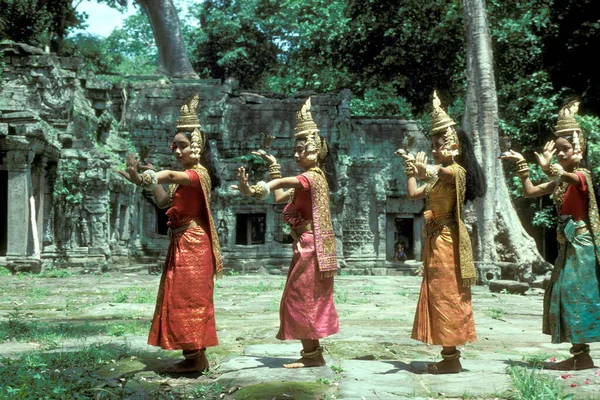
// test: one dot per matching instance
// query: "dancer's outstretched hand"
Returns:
(242, 186)
(131, 173)
(269, 158)
(545, 158)
(420, 164)
(512, 156)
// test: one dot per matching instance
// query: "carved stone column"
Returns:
(18, 219)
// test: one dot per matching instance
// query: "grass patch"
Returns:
(283, 390)
(61, 375)
(537, 360)
(261, 287)
(136, 295)
(211, 391)
(368, 289)
(341, 296)
(533, 384)
(406, 293)
(20, 329)
(4, 271)
(495, 313)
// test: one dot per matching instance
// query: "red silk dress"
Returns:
(306, 310)
(184, 316)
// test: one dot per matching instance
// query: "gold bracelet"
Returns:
(274, 175)
(522, 169)
(554, 172)
(274, 168)
(261, 190)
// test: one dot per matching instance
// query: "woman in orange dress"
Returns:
(184, 315)
(444, 314)
(307, 312)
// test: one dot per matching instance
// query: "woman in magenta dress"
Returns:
(184, 315)
(307, 312)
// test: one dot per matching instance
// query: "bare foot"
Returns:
(575, 363)
(198, 364)
(302, 362)
(444, 367)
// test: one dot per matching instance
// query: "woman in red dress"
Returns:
(184, 315)
(307, 312)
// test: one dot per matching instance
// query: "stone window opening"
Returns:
(250, 228)
(161, 221)
(280, 229)
(404, 235)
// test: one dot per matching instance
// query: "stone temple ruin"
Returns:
(64, 133)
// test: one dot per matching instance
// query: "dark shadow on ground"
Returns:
(420, 367)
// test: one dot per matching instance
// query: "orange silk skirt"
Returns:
(444, 314)
(184, 318)
(306, 310)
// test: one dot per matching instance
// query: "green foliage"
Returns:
(136, 295)
(62, 375)
(590, 126)
(19, 328)
(231, 42)
(94, 51)
(533, 384)
(417, 45)
(127, 50)
(546, 217)
(68, 189)
(381, 101)
(38, 22)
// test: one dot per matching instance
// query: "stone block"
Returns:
(512, 287)
(3, 130)
(94, 83)
(25, 265)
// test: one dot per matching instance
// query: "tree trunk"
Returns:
(172, 56)
(497, 220)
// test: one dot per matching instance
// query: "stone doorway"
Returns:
(400, 229)
(3, 213)
(250, 228)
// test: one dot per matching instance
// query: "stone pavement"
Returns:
(373, 357)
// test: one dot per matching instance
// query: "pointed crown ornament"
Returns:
(442, 123)
(188, 122)
(440, 120)
(307, 130)
(566, 125)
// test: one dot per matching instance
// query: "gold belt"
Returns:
(562, 239)
(434, 224)
(295, 233)
(171, 232)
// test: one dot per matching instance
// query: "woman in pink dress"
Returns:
(307, 312)
(184, 315)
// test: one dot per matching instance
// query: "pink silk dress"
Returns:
(184, 316)
(306, 311)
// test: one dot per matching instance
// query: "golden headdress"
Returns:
(566, 125)
(440, 120)
(442, 123)
(188, 122)
(566, 122)
(307, 129)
